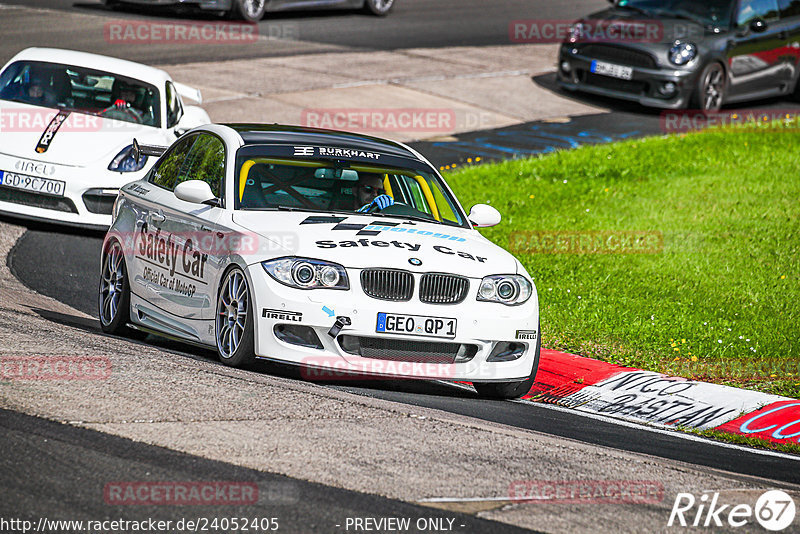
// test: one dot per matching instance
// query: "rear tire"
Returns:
(248, 10)
(511, 390)
(114, 295)
(709, 93)
(379, 8)
(234, 330)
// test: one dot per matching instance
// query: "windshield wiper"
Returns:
(354, 213)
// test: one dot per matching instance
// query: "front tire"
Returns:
(511, 390)
(234, 330)
(379, 8)
(709, 94)
(114, 295)
(248, 10)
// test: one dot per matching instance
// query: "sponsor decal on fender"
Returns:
(526, 334)
(50, 132)
(136, 188)
(282, 315)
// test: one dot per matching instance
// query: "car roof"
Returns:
(268, 134)
(94, 61)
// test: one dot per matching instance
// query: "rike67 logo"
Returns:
(774, 510)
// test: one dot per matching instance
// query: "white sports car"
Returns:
(66, 123)
(329, 250)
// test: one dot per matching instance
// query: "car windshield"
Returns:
(268, 183)
(81, 90)
(715, 13)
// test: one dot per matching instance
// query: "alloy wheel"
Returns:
(232, 306)
(111, 284)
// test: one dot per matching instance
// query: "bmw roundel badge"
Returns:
(415, 261)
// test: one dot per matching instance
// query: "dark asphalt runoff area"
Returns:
(52, 471)
(412, 24)
(73, 278)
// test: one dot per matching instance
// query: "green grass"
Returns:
(719, 302)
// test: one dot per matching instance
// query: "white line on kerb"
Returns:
(669, 432)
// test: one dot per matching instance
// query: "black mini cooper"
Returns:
(697, 54)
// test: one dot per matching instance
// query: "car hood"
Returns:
(359, 241)
(659, 31)
(80, 141)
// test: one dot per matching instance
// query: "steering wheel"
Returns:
(374, 207)
(121, 114)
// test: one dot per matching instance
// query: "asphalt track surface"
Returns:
(72, 280)
(51, 470)
(412, 24)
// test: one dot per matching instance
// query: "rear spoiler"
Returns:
(189, 92)
(146, 150)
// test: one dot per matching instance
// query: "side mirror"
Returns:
(758, 25)
(484, 215)
(194, 191)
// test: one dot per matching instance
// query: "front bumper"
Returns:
(647, 87)
(88, 195)
(481, 326)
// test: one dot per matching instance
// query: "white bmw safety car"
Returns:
(66, 123)
(325, 249)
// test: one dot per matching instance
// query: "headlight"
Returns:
(575, 32)
(124, 162)
(509, 289)
(682, 53)
(304, 273)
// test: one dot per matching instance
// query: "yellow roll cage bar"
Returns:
(423, 184)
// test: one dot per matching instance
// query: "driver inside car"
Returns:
(123, 97)
(370, 192)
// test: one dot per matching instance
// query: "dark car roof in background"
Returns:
(260, 134)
